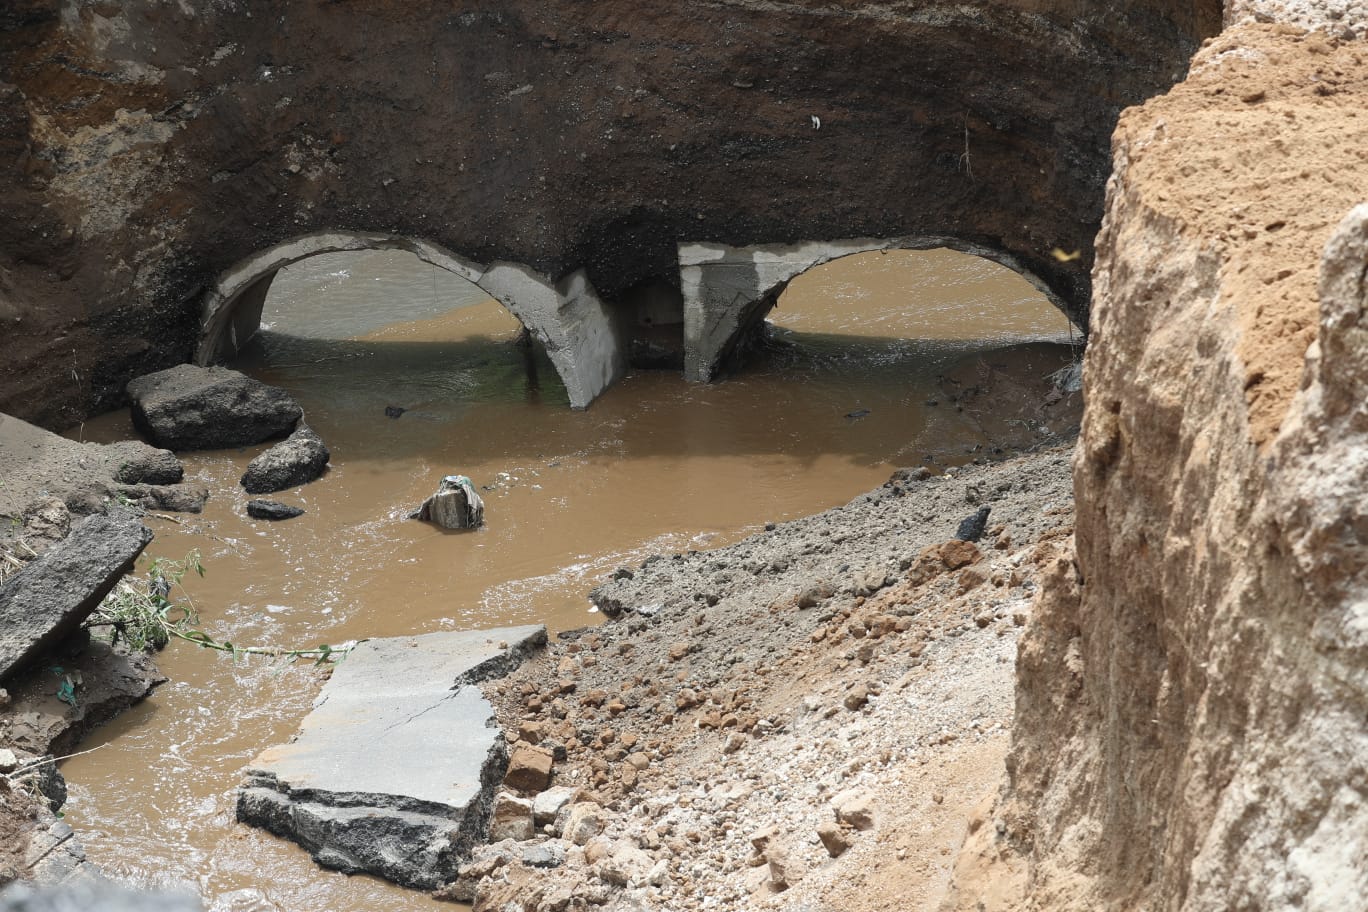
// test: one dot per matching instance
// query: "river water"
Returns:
(655, 464)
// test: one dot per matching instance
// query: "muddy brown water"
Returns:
(656, 464)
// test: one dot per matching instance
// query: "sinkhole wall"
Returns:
(147, 147)
(1191, 727)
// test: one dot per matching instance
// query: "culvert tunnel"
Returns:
(150, 150)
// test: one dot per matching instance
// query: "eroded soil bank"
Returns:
(857, 659)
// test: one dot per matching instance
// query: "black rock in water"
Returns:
(296, 460)
(394, 411)
(971, 528)
(209, 408)
(858, 413)
(270, 509)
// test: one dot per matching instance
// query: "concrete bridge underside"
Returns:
(564, 149)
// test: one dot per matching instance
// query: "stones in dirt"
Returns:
(296, 460)
(529, 768)
(133, 462)
(456, 505)
(511, 818)
(855, 808)
(273, 510)
(207, 408)
(52, 595)
(413, 815)
(971, 527)
(548, 804)
(835, 838)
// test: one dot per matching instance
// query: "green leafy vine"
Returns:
(149, 614)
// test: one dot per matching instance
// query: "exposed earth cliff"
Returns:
(1190, 729)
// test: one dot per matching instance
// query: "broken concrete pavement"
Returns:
(394, 771)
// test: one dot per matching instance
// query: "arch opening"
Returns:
(728, 291)
(566, 317)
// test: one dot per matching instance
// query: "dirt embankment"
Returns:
(856, 659)
(1207, 748)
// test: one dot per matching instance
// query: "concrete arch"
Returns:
(728, 290)
(566, 316)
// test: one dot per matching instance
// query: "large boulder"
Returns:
(454, 506)
(296, 460)
(209, 408)
(52, 595)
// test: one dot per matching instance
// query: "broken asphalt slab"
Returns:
(394, 771)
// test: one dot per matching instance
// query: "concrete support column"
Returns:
(569, 320)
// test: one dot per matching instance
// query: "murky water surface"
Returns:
(654, 465)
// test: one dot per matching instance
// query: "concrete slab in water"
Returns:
(394, 770)
(49, 598)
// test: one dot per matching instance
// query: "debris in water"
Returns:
(394, 411)
(858, 413)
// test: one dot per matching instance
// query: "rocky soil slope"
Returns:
(837, 686)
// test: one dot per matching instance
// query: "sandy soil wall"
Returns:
(1192, 706)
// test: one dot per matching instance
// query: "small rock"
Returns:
(971, 528)
(856, 697)
(544, 855)
(834, 838)
(626, 865)
(133, 462)
(296, 460)
(529, 768)
(454, 506)
(548, 804)
(855, 807)
(955, 554)
(511, 818)
(394, 411)
(781, 867)
(761, 839)
(583, 822)
(174, 498)
(8, 761)
(270, 509)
